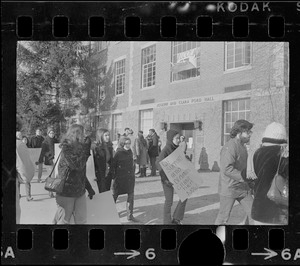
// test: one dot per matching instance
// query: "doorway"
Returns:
(187, 130)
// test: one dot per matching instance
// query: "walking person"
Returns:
(171, 145)
(47, 154)
(232, 182)
(123, 175)
(103, 157)
(25, 167)
(152, 139)
(140, 149)
(72, 169)
(271, 157)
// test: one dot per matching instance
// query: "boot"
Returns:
(143, 172)
(129, 209)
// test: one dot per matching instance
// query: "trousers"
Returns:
(129, 204)
(72, 206)
(226, 204)
(179, 210)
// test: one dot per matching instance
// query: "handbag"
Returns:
(54, 184)
(279, 190)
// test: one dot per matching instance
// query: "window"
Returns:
(101, 45)
(233, 111)
(238, 54)
(148, 66)
(146, 120)
(120, 76)
(185, 60)
(117, 125)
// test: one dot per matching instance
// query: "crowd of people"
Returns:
(243, 178)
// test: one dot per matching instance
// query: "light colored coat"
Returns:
(24, 164)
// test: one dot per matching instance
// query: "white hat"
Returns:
(275, 132)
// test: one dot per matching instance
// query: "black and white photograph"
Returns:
(152, 132)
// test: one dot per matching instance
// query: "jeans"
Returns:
(73, 206)
(40, 168)
(129, 204)
(180, 208)
(153, 165)
(27, 188)
(226, 204)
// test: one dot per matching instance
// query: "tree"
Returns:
(54, 81)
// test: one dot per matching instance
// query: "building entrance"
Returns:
(187, 130)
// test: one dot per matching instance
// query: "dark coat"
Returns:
(123, 172)
(47, 152)
(102, 167)
(233, 164)
(139, 150)
(36, 142)
(153, 145)
(166, 151)
(72, 168)
(265, 161)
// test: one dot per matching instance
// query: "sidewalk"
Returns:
(202, 207)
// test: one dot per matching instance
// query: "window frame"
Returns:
(114, 133)
(117, 75)
(172, 80)
(245, 67)
(142, 67)
(141, 125)
(224, 134)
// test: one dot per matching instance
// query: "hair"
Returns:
(127, 128)
(122, 141)
(152, 130)
(75, 133)
(141, 132)
(24, 137)
(99, 134)
(239, 127)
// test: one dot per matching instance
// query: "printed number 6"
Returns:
(150, 255)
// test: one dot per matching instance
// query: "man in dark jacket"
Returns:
(233, 163)
(152, 139)
(37, 140)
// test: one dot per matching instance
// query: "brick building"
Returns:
(198, 88)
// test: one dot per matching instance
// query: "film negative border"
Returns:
(219, 17)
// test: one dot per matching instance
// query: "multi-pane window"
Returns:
(185, 60)
(146, 120)
(233, 111)
(101, 45)
(148, 66)
(120, 76)
(117, 125)
(238, 54)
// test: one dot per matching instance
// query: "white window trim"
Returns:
(141, 52)
(114, 62)
(185, 80)
(241, 67)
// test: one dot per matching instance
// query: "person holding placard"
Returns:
(72, 169)
(171, 145)
(103, 157)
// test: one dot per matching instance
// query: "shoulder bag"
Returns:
(279, 190)
(54, 184)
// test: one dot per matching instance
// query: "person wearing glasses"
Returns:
(123, 175)
(233, 184)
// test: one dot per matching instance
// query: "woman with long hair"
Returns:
(123, 175)
(103, 157)
(72, 168)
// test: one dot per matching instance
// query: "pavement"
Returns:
(201, 208)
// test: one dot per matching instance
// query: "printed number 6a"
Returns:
(150, 254)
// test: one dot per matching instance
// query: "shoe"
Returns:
(51, 194)
(175, 221)
(29, 198)
(39, 180)
(132, 219)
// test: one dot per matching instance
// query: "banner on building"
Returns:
(181, 172)
(185, 60)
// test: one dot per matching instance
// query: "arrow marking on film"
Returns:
(132, 254)
(269, 254)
